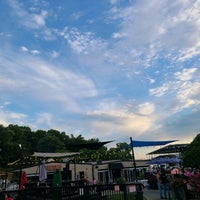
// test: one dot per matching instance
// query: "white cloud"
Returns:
(6, 103)
(118, 121)
(146, 108)
(82, 42)
(24, 49)
(152, 80)
(160, 91)
(186, 90)
(29, 20)
(190, 52)
(189, 94)
(45, 120)
(34, 52)
(186, 74)
(8, 117)
(119, 35)
(17, 116)
(54, 54)
(162, 30)
(40, 18)
(45, 82)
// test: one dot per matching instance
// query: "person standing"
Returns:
(160, 186)
(165, 183)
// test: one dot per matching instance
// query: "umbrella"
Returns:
(23, 180)
(162, 160)
(43, 172)
(175, 160)
(157, 161)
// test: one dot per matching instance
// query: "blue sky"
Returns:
(109, 69)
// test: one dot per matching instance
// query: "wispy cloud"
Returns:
(185, 90)
(53, 82)
(34, 52)
(28, 19)
(157, 30)
(82, 42)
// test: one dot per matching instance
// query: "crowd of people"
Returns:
(174, 182)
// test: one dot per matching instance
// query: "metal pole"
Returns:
(20, 164)
(74, 168)
(93, 173)
(6, 172)
(133, 157)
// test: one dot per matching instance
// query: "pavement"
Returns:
(151, 194)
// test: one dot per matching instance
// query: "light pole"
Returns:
(133, 157)
(20, 163)
(74, 168)
(7, 161)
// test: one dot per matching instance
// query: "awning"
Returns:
(54, 155)
(92, 146)
(166, 159)
(149, 143)
(172, 148)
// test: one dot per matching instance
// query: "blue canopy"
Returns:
(162, 160)
(149, 143)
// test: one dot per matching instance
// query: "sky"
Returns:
(109, 69)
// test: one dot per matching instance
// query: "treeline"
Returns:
(14, 136)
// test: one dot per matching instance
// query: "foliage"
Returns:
(51, 141)
(191, 155)
(119, 153)
(121, 180)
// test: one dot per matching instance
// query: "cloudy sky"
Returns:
(109, 69)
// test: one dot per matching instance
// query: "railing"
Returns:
(132, 191)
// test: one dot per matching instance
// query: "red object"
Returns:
(23, 180)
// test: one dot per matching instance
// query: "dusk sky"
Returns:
(106, 69)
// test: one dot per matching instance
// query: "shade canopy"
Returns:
(92, 146)
(149, 143)
(171, 148)
(54, 155)
(163, 160)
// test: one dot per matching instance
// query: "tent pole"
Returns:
(133, 157)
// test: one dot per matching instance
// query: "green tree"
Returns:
(121, 152)
(191, 156)
(50, 144)
(72, 140)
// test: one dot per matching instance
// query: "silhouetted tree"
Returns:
(191, 156)
(50, 144)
